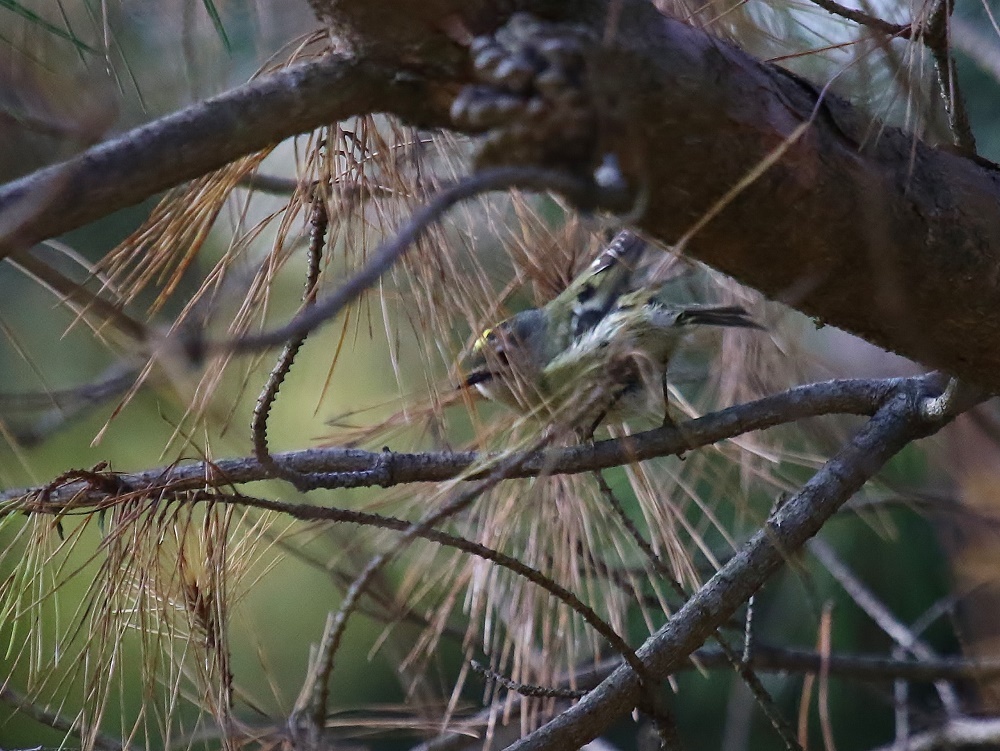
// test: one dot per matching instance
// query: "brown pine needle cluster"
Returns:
(148, 608)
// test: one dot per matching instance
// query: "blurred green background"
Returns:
(162, 56)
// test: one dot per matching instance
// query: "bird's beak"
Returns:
(476, 377)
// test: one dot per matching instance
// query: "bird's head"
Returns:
(507, 357)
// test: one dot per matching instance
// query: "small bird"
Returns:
(600, 348)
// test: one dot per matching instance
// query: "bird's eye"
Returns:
(501, 354)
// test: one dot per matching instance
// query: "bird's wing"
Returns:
(608, 277)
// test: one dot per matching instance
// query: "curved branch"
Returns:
(359, 467)
(765, 659)
(890, 238)
(500, 178)
(425, 528)
(789, 188)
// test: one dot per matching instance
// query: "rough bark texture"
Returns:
(204, 137)
(863, 227)
(860, 225)
(787, 530)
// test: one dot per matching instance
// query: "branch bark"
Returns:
(204, 137)
(765, 659)
(366, 468)
(898, 423)
(859, 224)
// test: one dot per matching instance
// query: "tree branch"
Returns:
(855, 222)
(359, 467)
(201, 138)
(891, 239)
(960, 732)
(56, 721)
(765, 659)
(907, 640)
(881, 227)
(768, 659)
(389, 252)
(894, 426)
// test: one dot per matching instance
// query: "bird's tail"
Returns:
(717, 315)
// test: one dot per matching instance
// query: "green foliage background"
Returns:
(902, 561)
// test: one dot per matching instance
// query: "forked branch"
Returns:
(895, 425)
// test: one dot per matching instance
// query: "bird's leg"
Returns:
(668, 421)
(587, 436)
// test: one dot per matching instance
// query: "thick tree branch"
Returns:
(201, 138)
(858, 224)
(765, 659)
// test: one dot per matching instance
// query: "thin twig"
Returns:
(823, 693)
(271, 184)
(56, 721)
(113, 381)
(780, 660)
(741, 667)
(901, 705)
(860, 667)
(317, 684)
(882, 616)
(149, 159)
(805, 700)
(900, 30)
(960, 732)
(499, 178)
(526, 689)
(316, 690)
(764, 658)
(63, 405)
(938, 41)
(933, 34)
(319, 220)
(309, 512)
